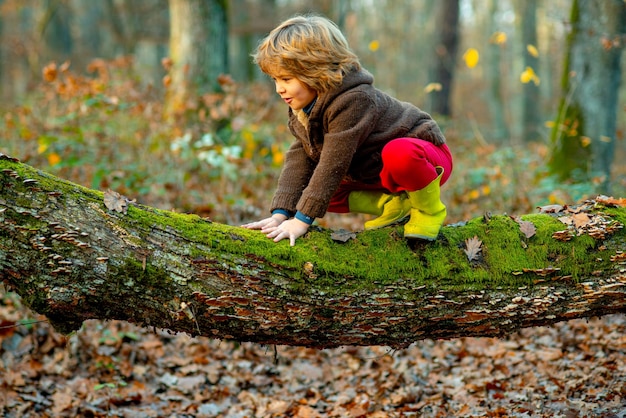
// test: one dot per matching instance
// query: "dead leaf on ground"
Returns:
(473, 248)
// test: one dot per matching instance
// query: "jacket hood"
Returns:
(350, 80)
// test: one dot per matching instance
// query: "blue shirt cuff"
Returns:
(282, 212)
(304, 218)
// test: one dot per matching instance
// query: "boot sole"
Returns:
(418, 236)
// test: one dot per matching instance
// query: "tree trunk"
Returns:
(74, 254)
(584, 134)
(249, 22)
(531, 101)
(493, 67)
(198, 50)
(54, 30)
(3, 57)
(446, 45)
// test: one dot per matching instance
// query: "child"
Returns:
(357, 149)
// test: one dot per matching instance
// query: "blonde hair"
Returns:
(310, 48)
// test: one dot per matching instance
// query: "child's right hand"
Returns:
(271, 222)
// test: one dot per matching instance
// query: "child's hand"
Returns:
(292, 229)
(271, 222)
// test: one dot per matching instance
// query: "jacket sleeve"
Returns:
(428, 130)
(348, 123)
(294, 177)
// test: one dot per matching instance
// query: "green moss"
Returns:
(373, 258)
(383, 257)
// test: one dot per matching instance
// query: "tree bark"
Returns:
(531, 100)
(446, 45)
(585, 130)
(493, 67)
(74, 254)
(198, 50)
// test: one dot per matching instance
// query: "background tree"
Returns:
(530, 119)
(444, 58)
(198, 50)
(497, 41)
(2, 54)
(584, 133)
(249, 22)
(54, 29)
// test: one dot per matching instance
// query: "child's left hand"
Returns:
(292, 229)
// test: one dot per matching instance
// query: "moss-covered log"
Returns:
(71, 258)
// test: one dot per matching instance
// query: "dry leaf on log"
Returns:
(117, 202)
(342, 235)
(528, 228)
(473, 247)
(551, 208)
(611, 201)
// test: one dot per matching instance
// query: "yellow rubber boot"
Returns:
(390, 208)
(427, 211)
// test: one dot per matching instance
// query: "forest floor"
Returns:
(115, 369)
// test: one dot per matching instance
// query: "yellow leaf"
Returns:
(585, 141)
(432, 87)
(42, 147)
(498, 38)
(471, 57)
(374, 45)
(277, 155)
(249, 144)
(474, 194)
(532, 50)
(529, 75)
(54, 159)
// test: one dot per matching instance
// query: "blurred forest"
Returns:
(159, 99)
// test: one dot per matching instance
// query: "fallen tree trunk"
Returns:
(71, 257)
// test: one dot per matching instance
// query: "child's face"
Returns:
(295, 93)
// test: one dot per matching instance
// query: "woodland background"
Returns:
(106, 95)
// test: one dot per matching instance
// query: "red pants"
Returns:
(408, 165)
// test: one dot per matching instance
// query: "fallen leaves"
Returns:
(8, 158)
(611, 201)
(538, 372)
(585, 219)
(595, 225)
(473, 248)
(342, 235)
(116, 202)
(528, 228)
